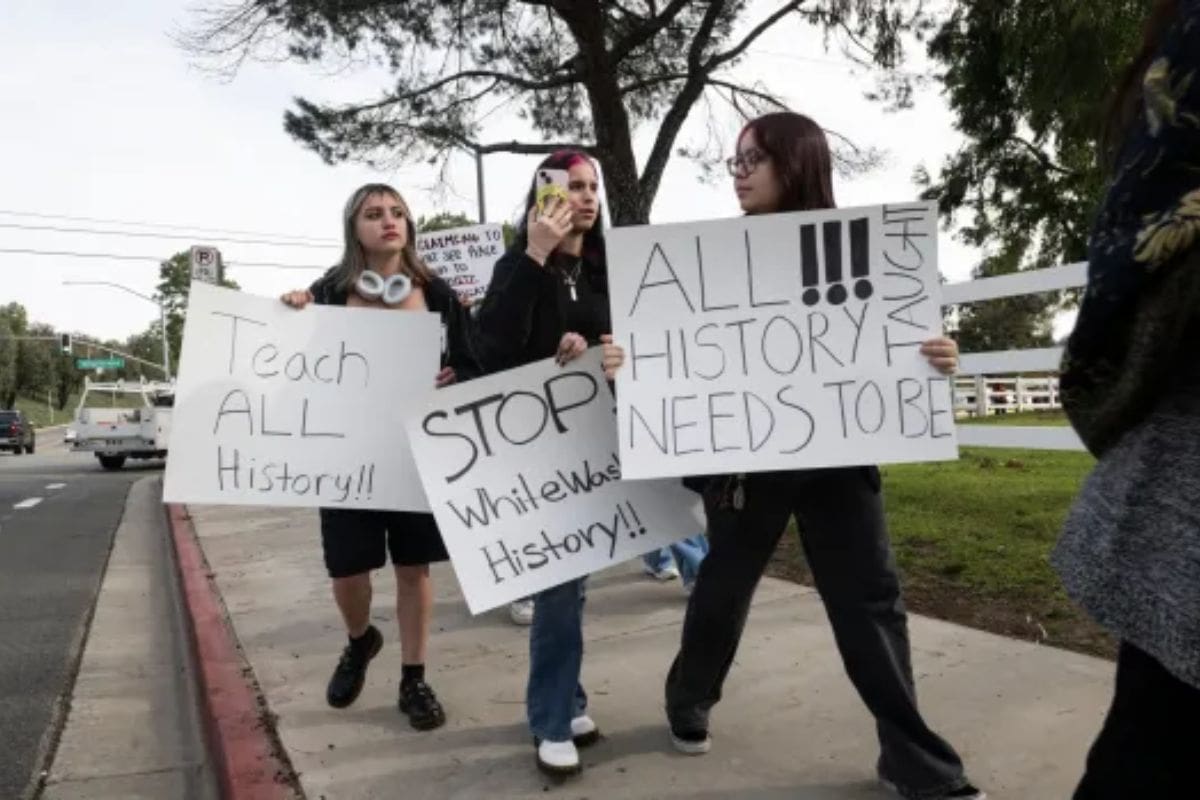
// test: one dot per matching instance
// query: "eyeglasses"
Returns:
(745, 163)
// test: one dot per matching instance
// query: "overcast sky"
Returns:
(105, 118)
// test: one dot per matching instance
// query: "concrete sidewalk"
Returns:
(133, 730)
(790, 725)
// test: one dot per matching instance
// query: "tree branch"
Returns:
(753, 35)
(760, 95)
(692, 89)
(1042, 158)
(476, 74)
(528, 148)
(637, 86)
(645, 34)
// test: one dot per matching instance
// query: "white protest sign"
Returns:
(521, 471)
(781, 341)
(463, 257)
(279, 407)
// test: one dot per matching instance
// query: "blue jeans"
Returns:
(688, 553)
(554, 695)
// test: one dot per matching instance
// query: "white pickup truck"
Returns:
(115, 434)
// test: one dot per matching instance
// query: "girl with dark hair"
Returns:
(1130, 547)
(783, 164)
(549, 297)
(380, 269)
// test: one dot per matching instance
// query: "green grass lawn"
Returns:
(42, 416)
(1048, 418)
(973, 539)
(37, 411)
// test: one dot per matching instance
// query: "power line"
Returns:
(156, 259)
(145, 235)
(160, 225)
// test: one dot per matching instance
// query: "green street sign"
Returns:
(99, 363)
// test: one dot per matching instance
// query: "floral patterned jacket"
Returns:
(1142, 301)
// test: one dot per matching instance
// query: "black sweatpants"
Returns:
(842, 529)
(1150, 743)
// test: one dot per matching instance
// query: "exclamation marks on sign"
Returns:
(641, 529)
(836, 293)
(831, 239)
(810, 270)
(860, 257)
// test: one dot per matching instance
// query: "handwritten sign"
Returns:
(779, 342)
(463, 257)
(279, 407)
(522, 473)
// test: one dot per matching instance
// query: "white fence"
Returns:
(984, 395)
(987, 376)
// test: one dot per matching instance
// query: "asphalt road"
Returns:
(58, 513)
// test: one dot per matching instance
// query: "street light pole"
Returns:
(162, 324)
(479, 185)
(162, 316)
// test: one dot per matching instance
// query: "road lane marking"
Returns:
(53, 486)
(29, 503)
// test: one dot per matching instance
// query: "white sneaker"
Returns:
(521, 612)
(691, 747)
(584, 731)
(667, 573)
(558, 758)
(968, 792)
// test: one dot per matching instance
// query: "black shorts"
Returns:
(357, 540)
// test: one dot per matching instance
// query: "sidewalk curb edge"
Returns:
(245, 755)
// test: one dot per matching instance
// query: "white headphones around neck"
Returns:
(391, 290)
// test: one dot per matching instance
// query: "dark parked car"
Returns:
(16, 432)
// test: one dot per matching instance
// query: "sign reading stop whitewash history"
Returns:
(780, 341)
(463, 257)
(522, 473)
(279, 407)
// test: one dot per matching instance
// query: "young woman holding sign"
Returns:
(783, 164)
(380, 269)
(549, 297)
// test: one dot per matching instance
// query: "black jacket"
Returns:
(459, 353)
(523, 316)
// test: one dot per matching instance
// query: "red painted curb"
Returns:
(243, 752)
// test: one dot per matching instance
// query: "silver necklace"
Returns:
(571, 278)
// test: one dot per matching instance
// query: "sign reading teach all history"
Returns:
(276, 406)
(522, 472)
(779, 341)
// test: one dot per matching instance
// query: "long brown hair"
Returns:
(354, 259)
(800, 152)
(1123, 107)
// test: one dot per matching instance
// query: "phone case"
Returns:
(551, 183)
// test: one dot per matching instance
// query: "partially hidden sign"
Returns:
(282, 407)
(522, 472)
(463, 257)
(780, 341)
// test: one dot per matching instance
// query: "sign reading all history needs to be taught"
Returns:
(779, 341)
(282, 407)
(522, 473)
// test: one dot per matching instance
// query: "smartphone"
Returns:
(550, 183)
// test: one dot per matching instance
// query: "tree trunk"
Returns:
(614, 144)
